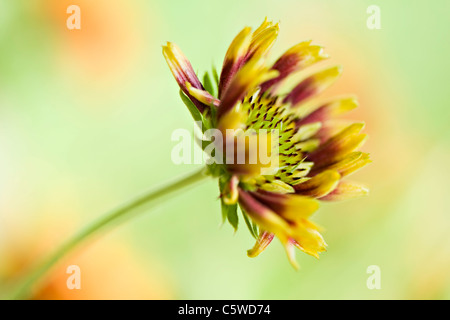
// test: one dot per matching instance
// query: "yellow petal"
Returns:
(349, 164)
(319, 185)
(308, 145)
(290, 206)
(182, 70)
(230, 193)
(234, 58)
(239, 46)
(277, 186)
(290, 252)
(331, 107)
(202, 95)
(263, 216)
(346, 190)
(264, 239)
(338, 146)
(313, 85)
(262, 40)
(306, 131)
(246, 79)
(309, 240)
(296, 58)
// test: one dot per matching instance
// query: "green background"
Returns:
(86, 118)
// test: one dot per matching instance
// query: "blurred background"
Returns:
(86, 118)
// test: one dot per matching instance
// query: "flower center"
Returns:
(269, 113)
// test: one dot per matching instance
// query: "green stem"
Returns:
(123, 212)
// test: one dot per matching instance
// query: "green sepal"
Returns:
(229, 212)
(208, 85)
(215, 169)
(215, 76)
(195, 113)
(205, 118)
(250, 225)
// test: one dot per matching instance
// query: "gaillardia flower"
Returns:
(314, 151)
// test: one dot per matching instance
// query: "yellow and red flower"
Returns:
(314, 152)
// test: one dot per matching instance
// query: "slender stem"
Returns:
(122, 212)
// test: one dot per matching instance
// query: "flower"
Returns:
(314, 150)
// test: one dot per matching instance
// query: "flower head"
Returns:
(311, 154)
